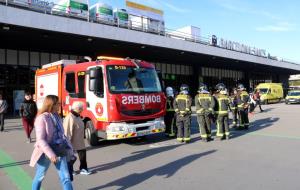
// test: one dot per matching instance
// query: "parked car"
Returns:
(293, 97)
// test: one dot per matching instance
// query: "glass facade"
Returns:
(17, 70)
(174, 74)
(212, 76)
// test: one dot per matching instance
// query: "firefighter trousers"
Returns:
(183, 128)
(235, 116)
(170, 122)
(222, 126)
(204, 126)
(243, 117)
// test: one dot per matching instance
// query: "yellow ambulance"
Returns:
(270, 92)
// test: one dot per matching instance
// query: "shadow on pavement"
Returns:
(14, 164)
(255, 126)
(134, 157)
(144, 140)
(136, 141)
(167, 170)
(10, 129)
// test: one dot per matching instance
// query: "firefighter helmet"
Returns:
(220, 87)
(184, 89)
(241, 87)
(169, 91)
(202, 88)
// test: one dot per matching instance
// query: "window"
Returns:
(2, 56)
(23, 58)
(173, 68)
(191, 70)
(184, 70)
(81, 82)
(163, 68)
(34, 59)
(54, 57)
(44, 58)
(169, 68)
(73, 57)
(123, 79)
(96, 81)
(64, 56)
(178, 69)
(70, 84)
(12, 57)
(204, 71)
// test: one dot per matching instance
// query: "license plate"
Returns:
(142, 133)
(292, 100)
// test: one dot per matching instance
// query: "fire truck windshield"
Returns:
(124, 79)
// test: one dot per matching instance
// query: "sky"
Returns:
(273, 25)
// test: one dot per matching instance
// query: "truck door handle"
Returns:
(87, 104)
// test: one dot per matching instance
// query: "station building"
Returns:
(30, 39)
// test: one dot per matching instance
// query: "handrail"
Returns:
(59, 10)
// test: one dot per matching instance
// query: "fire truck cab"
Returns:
(122, 98)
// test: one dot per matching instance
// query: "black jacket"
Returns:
(28, 109)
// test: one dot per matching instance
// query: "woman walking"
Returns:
(74, 131)
(28, 111)
(51, 145)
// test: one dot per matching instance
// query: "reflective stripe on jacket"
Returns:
(183, 104)
(243, 99)
(204, 103)
(223, 104)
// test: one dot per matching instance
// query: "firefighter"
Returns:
(182, 106)
(243, 106)
(170, 115)
(222, 107)
(233, 107)
(204, 108)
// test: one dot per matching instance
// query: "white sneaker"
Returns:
(85, 172)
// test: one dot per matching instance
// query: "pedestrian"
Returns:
(257, 100)
(252, 103)
(205, 104)
(243, 100)
(3, 110)
(51, 146)
(182, 106)
(222, 108)
(74, 131)
(28, 111)
(169, 118)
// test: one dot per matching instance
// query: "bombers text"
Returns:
(141, 99)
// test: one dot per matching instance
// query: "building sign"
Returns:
(235, 46)
(142, 10)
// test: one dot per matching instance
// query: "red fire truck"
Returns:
(122, 97)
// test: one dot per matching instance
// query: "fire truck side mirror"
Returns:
(93, 84)
(96, 81)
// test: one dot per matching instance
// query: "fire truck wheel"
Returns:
(91, 134)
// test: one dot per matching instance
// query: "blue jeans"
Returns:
(42, 167)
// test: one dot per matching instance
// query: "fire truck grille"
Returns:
(140, 112)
